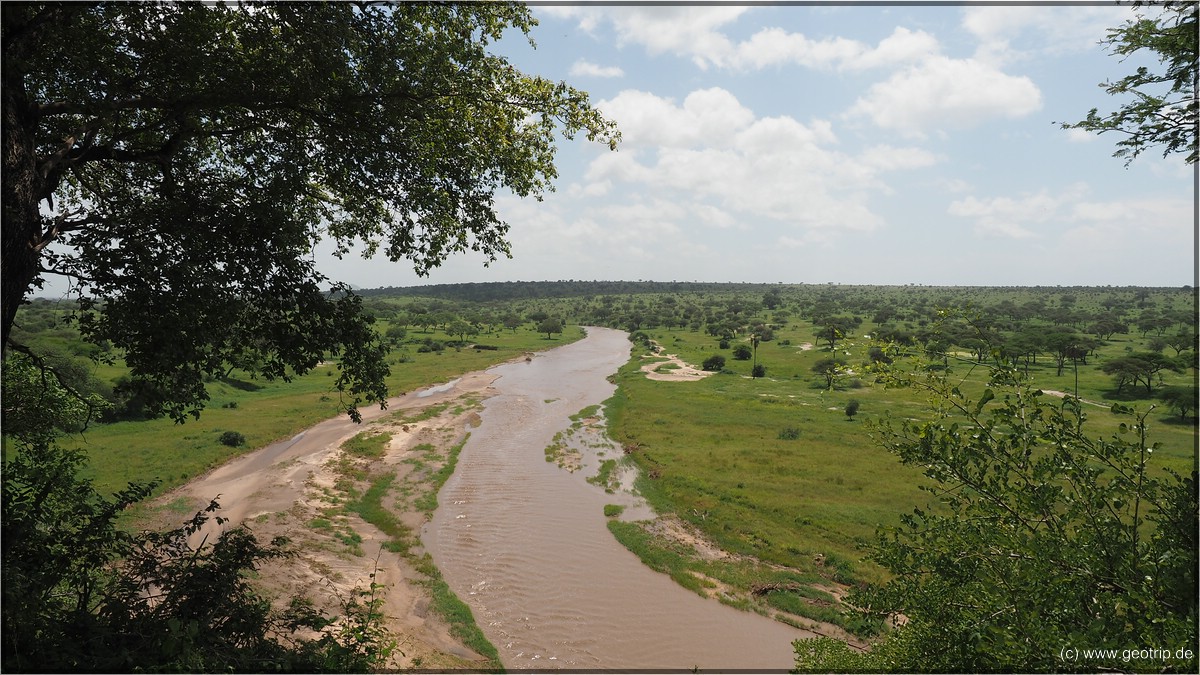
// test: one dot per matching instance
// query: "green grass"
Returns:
(714, 452)
(266, 412)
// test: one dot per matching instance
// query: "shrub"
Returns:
(233, 439)
(789, 434)
(758, 371)
(852, 408)
(613, 510)
(714, 362)
(742, 352)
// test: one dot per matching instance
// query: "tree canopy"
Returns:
(179, 163)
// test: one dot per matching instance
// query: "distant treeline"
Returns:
(532, 290)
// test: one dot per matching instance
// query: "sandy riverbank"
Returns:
(299, 489)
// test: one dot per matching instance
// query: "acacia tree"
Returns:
(179, 162)
(1162, 106)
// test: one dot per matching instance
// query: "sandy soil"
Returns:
(681, 373)
(1063, 394)
(297, 488)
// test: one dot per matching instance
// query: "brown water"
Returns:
(524, 542)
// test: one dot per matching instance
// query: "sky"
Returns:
(889, 144)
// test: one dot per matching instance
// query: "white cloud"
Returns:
(583, 68)
(712, 153)
(1014, 216)
(707, 117)
(1008, 33)
(1072, 216)
(1080, 136)
(943, 92)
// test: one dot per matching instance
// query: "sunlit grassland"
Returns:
(268, 411)
(710, 451)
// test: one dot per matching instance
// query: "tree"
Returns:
(742, 352)
(1162, 106)
(189, 158)
(461, 329)
(714, 363)
(830, 369)
(82, 592)
(1139, 367)
(1038, 523)
(851, 408)
(1181, 398)
(549, 326)
(512, 322)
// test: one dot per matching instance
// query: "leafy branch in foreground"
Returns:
(1161, 107)
(1041, 539)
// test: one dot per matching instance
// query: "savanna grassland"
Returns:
(780, 467)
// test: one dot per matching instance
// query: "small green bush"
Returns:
(613, 510)
(233, 439)
(714, 362)
(789, 434)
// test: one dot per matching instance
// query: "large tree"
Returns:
(1159, 106)
(179, 163)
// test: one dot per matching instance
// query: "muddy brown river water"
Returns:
(524, 542)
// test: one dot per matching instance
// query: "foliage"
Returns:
(233, 439)
(759, 370)
(1181, 398)
(82, 594)
(192, 156)
(713, 363)
(830, 368)
(549, 326)
(852, 408)
(1161, 107)
(1039, 524)
(742, 352)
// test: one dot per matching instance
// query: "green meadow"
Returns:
(267, 411)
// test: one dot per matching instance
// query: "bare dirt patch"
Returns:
(678, 370)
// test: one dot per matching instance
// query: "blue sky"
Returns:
(876, 145)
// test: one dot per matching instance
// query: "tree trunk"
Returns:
(21, 226)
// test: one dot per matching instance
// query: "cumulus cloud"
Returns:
(708, 117)
(583, 68)
(716, 154)
(942, 92)
(775, 46)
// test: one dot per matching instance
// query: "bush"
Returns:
(714, 362)
(742, 352)
(723, 344)
(233, 439)
(789, 434)
(758, 371)
(852, 408)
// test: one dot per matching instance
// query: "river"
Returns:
(524, 543)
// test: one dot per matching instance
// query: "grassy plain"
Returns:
(717, 452)
(268, 411)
